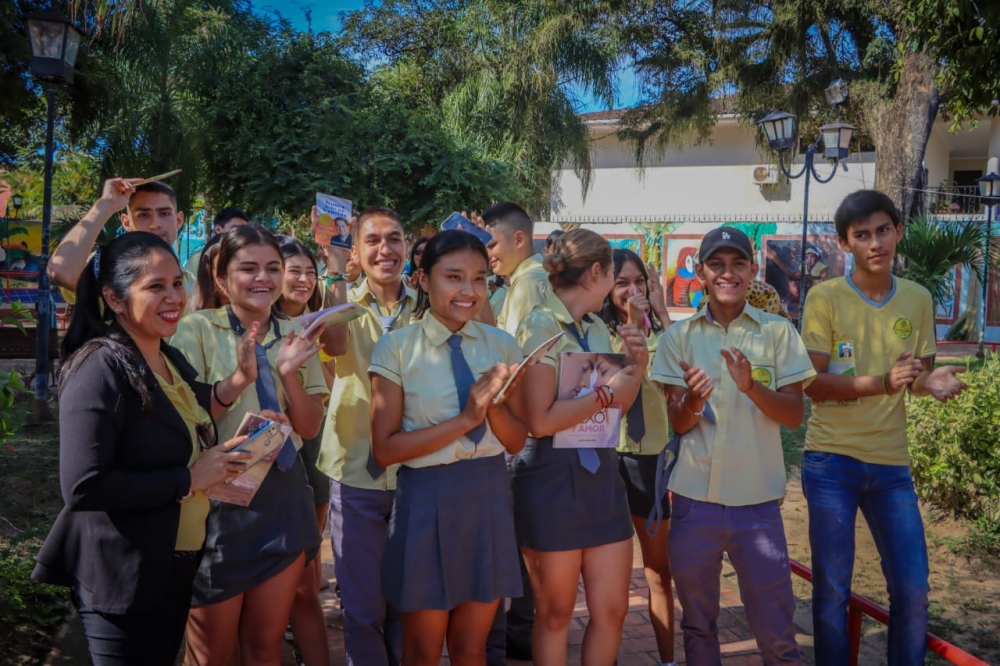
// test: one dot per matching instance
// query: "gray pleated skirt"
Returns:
(245, 546)
(451, 537)
(558, 505)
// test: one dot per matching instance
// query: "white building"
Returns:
(682, 194)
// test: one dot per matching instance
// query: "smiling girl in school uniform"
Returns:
(451, 552)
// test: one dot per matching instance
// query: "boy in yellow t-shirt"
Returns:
(870, 336)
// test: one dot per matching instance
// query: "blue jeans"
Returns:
(835, 487)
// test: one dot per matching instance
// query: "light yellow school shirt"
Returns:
(208, 343)
(430, 396)
(654, 406)
(194, 510)
(550, 318)
(840, 321)
(497, 300)
(347, 429)
(529, 285)
(738, 461)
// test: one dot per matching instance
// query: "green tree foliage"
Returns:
(497, 73)
(300, 118)
(933, 249)
(697, 59)
(964, 35)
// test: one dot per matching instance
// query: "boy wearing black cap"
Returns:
(730, 473)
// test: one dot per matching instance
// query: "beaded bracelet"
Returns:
(334, 277)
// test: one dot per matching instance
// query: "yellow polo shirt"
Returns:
(209, 345)
(550, 318)
(194, 510)
(654, 406)
(497, 300)
(843, 323)
(738, 461)
(404, 356)
(529, 285)
(347, 430)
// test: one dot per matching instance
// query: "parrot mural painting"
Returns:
(684, 289)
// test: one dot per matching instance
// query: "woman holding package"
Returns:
(570, 505)
(133, 423)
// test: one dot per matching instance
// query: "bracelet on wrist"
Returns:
(885, 383)
(215, 393)
(333, 278)
(688, 407)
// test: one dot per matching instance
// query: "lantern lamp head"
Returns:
(989, 187)
(837, 139)
(780, 129)
(54, 44)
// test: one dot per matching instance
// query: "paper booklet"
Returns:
(330, 209)
(533, 358)
(266, 437)
(842, 363)
(580, 373)
(338, 314)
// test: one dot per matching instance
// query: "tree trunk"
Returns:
(903, 130)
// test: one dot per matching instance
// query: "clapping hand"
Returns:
(483, 391)
(638, 308)
(246, 357)
(635, 346)
(943, 383)
(699, 385)
(297, 349)
(903, 372)
(739, 368)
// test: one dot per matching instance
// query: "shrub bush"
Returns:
(955, 448)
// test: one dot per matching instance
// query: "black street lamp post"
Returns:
(54, 45)
(836, 136)
(15, 201)
(989, 192)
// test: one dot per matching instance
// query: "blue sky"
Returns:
(326, 17)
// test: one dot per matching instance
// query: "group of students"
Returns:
(445, 500)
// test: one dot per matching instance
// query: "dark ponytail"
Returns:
(441, 245)
(93, 325)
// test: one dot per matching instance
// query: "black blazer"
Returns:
(122, 471)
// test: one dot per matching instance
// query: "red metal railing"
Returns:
(992, 346)
(859, 606)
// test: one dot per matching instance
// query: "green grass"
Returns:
(793, 443)
(970, 362)
(30, 500)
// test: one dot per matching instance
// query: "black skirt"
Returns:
(246, 546)
(558, 505)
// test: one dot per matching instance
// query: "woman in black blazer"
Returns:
(130, 463)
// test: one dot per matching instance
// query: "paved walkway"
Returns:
(638, 645)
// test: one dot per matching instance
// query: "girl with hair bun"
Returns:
(570, 505)
(134, 426)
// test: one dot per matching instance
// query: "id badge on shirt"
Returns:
(842, 363)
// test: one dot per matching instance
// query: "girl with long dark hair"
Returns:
(255, 554)
(638, 301)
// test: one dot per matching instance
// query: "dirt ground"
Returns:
(965, 591)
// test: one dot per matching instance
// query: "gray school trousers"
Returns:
(359, 521)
